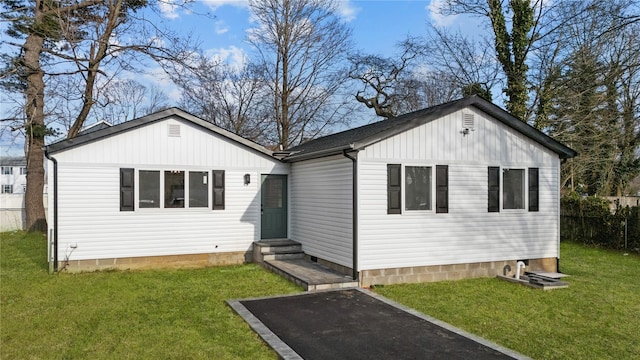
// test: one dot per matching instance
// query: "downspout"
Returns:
(354, 207)
(55, 209)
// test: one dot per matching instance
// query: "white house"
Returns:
(168, 188)
(13, 174)
(457, 190)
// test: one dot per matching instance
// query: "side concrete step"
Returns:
(282, 249)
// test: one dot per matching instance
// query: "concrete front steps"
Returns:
(286, 258)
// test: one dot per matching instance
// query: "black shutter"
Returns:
(394, 187)
(533, 189)
(494, 189)
(218, 190)
(127, 186)
(442, 189)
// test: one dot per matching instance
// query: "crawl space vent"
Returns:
(174, 130)
(468, 121)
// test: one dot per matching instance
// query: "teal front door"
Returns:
(274, 207)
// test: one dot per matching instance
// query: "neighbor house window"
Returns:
(23, 171)
(7, 189)
(7, 170)
(417, 188)
(513, 189)
(174, 189)
(198, 189)
(149, 185)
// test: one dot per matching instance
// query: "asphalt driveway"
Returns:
(358, 324)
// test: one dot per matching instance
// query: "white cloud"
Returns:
(214, 4)
(221, 27)
(168, 8)
(234, 56)
(439, 19)
(346, 10)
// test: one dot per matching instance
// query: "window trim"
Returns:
(432, 190)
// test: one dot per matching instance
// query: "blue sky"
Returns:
(377, 26)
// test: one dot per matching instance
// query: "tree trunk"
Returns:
(35, 132)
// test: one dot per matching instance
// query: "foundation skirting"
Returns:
(418, 274)
(155, 262)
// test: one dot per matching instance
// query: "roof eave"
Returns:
(300, 156)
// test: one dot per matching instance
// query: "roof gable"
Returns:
(149, 119)
(360, 137)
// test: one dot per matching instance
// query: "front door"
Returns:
(274, 207)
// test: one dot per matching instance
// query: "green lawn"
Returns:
(168, 314)
(182, 313)
(597, 317)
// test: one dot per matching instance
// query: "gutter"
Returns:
(55, 208)
(354, 215)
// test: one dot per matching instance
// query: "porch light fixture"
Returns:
(247, 179)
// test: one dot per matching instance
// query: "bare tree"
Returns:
(63, 38)
(230, 96)
(392, 86)
(300, 47)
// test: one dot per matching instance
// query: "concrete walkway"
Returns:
(311, 276)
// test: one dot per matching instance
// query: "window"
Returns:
(23, 171)
(166, 189)
(516, 189)
(417, 193)
(149, 184)
(513, 189)
(7, 189)
(7, 170)
(174, 189)
(198, 189)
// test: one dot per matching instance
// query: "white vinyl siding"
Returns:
(89, 217)
(321, 208)
(467, 233)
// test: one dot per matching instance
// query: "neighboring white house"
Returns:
(457, 190)
(13, 175)
(13, 182)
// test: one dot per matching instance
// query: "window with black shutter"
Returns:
(127, 185)
(533, 189)
(442, 189)
(494, 189)
(218, 190)
(394, 187)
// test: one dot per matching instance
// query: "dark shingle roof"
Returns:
(360, 137)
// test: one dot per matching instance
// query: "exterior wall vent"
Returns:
(468, 121)
(174, 130)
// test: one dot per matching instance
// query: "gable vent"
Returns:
(468, 121)
(174, 130)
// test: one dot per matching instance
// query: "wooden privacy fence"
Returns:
(590, 221)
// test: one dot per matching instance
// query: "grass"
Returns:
(597, 317)
(182, 314)
(163, 314)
